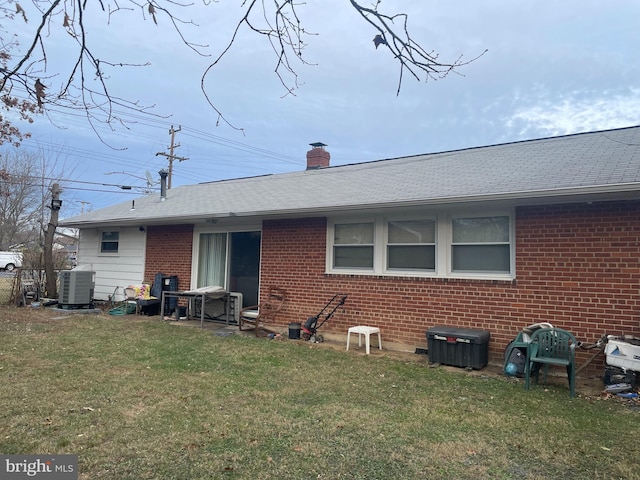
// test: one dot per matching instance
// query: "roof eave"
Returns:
(625, 191)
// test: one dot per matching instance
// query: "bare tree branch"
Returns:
(409, 54)
(85, 85)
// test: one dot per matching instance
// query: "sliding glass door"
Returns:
(230, 260)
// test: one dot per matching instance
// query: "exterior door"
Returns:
(244, 265)
(231, 260)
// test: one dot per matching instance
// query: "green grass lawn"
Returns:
(136, 398)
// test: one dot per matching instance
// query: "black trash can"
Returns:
(294, 330)
(459, 347)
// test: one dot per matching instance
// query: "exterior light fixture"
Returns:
(56, 204)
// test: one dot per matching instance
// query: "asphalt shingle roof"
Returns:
(588, 163)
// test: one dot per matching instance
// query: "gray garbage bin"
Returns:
(294, 330)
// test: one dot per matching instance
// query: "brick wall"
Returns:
(169, 251)
(577, 266)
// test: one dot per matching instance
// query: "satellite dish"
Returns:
(150, 180)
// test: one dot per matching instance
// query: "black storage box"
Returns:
(459, 347)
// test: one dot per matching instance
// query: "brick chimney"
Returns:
(317, 157)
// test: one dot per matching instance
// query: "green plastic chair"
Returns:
(551, 346)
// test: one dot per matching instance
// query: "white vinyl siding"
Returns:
(113, 270)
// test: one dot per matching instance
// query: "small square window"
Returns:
(109, 242)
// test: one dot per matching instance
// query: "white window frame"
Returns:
(375, 241)
(207, 229)
(480, 274)
(443, 245)
(386, 245)
(101, 241)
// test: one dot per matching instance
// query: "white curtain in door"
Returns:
(212, 261)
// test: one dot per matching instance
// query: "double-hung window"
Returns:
(411, 245)
(109, 241)
(480, 244)
(433, 244)
(353, 245)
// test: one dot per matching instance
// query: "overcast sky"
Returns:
(552, 68)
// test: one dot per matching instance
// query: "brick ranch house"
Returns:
(496, 238)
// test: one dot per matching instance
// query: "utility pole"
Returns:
(49, 236)
(83, 203)
(171, 155)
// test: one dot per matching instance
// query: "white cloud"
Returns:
(577, 112)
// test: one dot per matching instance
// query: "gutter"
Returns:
(624, 191)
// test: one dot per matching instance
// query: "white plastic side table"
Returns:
(366, 331)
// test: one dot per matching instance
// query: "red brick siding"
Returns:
(577, 266)
(169, 251)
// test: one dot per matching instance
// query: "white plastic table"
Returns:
(366, 331)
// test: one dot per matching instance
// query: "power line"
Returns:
(239, 145)
(209, 157)
(150, 121)
(153, 121)
(65, 181)
(144, 136)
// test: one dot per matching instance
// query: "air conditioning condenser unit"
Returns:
(76, 289)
